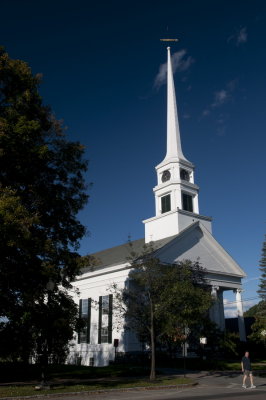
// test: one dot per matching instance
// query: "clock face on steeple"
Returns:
(166, 176)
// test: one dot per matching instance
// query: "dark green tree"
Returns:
(162, 302)
(259, 327)
(255, 310)
(262, 284)
(42, 189)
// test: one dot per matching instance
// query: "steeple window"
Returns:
(187, 202)
(184, 175)
(166, 203)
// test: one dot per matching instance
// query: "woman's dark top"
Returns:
(246, 363)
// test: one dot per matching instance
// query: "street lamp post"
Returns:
(116, 343)
(185, 347)
(44, 347)
(203, 341)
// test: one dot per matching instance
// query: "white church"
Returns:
(178, 231)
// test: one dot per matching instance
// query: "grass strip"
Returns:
(29, 390)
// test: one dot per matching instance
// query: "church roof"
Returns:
(120, 254)
(194, 243)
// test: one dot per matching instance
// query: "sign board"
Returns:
(203, 340)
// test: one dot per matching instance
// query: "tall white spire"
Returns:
(176, 194)
(174, 149)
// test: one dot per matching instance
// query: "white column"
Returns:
(214, 311)
(221, 310)
(240, 316)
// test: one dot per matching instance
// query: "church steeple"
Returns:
(176, 194)
(174, 149)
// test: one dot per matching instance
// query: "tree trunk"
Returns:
(152, 373)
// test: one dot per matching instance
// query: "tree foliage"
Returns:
(259, 327)
(163, 302)
(262, 284)
(42, 189)
(255, 310)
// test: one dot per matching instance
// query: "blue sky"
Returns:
(100, 63)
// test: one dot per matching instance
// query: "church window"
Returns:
(187, 202)
(85, 315)
(166, 203)
(105, 319)
(184, 175)
(104, 334)
(105, 305)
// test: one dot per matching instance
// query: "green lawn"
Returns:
(25, 373)
(233, 365)
(216, 364)
(28, 390)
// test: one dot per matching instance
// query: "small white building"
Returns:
(178, 232)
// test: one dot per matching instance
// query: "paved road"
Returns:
(211, 386)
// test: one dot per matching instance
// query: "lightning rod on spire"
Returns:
(169, 40)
